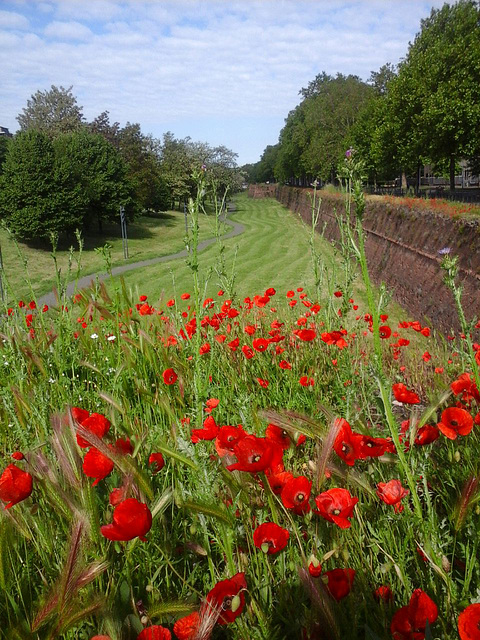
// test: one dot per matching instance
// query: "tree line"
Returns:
(60, 173)
(425, 110)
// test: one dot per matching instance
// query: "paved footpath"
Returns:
(86, 281)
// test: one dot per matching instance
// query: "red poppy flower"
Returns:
(253, 454)
(410, 622)
(455, 422)
(346, 443)
(205, 348)
(383, 593)
(94, 422)
(278, 435)
(370, 447)
(208, 432)
(100, 638)
(18, 455)
(123, 446)
(233, 345)
(336, 338)
(314, 567)
(185, 628)
(96, 465)
(307, 335)
(222, 598)
(290, 294)
(296, 494)
(336, 505)
(339, 582)
(278, 480)
(157, 460)
(305, 381)
(227, 438)
(169, 376)
(131, 518)
(402, 394)
(426, 435)
(155, 632)
(270, 292)
(385, 332)
(260, 344)
(466, 386)
(263, 383)
(15, 485)
(117, 496)
(270, 537)
(283, 364)
(391, 493)
(211, 403)
(469, 623)
(247, 351)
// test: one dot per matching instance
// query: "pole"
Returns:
(2, 293)
(123, 225)
(186, 219)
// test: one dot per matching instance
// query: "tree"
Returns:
(89, 167)
(141, 155)
(62, 184)
(435, 100)
(4, 141)
(101, 124)
(32, 201)
(380, 79)
(55, 111)
(264, 169)
(313, 141)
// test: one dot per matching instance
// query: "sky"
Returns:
(220, 71)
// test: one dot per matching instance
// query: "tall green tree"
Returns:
(54, 112)
(313, 141)
(88, 166)
(33, 201)
(434, 103)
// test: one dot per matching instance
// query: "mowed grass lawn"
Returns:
(147, 238)
(273, 251)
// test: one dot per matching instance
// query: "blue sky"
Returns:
(220, 71)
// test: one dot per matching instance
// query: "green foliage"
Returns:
(54, 111)
(432, 107)
(33, 200)
(264, 169)
(86, 163)
(314, 137)
(57, 186)
(4, 141)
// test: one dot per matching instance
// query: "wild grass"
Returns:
(108, 353)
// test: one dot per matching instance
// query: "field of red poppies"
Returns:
(291, 464)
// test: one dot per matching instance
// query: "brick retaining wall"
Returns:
(402, 246)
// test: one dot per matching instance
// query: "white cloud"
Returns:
(175, 65)
(67, 31)
(13, 20)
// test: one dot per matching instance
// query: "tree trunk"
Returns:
(100, 226)
(418, 182)
(404, 180)
(452, 173)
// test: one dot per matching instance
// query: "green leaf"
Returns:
(212, 510)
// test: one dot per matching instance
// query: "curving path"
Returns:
(85, 281)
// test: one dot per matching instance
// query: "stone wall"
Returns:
(402, 246)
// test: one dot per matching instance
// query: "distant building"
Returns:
(5, 132)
